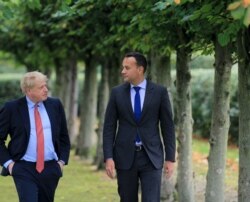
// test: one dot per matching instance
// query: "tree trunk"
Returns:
(88, 111)
(244, 115)
(60, 86)
(66, 88)
(103, 100)
(185, 185)
(115, 73)
(72, 99)
(160, 72)
(220, 124)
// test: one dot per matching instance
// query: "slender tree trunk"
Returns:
(152, 71)
(60, 86)
(66, 88)
(115, 73)
(185, 185)
(72, 99)
(160, 72)
(161, 67)
(88, 111)
(103, 100)
(244, 115)
(220, 124)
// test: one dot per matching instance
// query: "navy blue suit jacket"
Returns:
(14, 121)
(120, 127)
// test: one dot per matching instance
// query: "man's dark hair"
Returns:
(140, 59)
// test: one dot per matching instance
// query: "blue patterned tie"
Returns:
(137, 110)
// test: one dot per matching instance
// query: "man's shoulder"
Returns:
(121, 86)
(14, 102)
(152, 84)
(52, 101)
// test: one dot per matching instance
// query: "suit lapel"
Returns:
(25, 113)
(127, 100)
(148, 98)
(50, 111)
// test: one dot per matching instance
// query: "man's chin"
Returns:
(125, 79)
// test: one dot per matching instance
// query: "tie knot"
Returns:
(36, 105)
(137, 88)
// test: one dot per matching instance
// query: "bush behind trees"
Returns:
(9, 90)
(202, 97)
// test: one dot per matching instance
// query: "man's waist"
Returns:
(34, 162)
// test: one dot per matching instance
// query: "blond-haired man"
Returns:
(39, 143)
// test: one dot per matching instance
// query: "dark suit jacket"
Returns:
(14, 121)
(120, 127)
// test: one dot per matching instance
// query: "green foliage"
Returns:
(223, 38)
(240, 10)
(9, 90)
(202, 62)
(202, 98)
(9, 65)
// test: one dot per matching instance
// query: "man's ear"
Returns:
(141, 69)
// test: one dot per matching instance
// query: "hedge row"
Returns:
(9, 90)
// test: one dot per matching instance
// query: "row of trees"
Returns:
(54, 36)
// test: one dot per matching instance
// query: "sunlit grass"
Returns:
(82, 182)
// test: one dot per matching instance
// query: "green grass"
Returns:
(200, 164)
(81, 181)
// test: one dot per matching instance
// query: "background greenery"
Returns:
(202, 96)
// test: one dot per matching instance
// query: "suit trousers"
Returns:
(143, 172)
(32, 186)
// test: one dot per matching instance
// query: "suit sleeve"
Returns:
(167, 127)
(64, 140)
(110, 125)
(4, 131)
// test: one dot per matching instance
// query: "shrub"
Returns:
(9, 90)
(202, 97)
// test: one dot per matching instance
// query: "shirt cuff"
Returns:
(6, 164)
(62, 162)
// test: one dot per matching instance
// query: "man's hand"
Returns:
(10, 167)
(110, 168)
(61, 164)
(169, 168)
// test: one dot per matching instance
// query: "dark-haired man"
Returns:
(131, 138)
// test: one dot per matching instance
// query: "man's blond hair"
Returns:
(28, 80)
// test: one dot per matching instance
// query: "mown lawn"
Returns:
(82, 183)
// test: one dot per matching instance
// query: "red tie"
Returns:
(40, 141)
